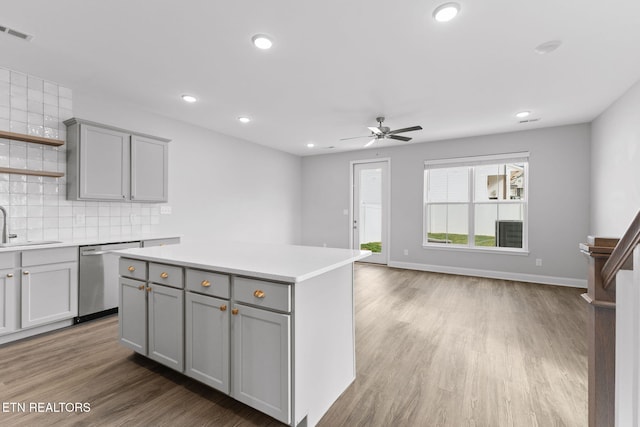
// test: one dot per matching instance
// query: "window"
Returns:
(476, 202)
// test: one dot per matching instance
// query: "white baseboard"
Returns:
(504, 275)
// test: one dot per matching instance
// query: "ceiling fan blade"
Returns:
(375, 130)
(412, 128)
(399, 138)
(370, 142)
(355, 137)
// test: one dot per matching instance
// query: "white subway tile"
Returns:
(18, 199)
(49, 200)
(65, 221)
(34, 223)
(35, 234)
(50, 211)
(104, 221)
(92, 232)
(35, 106)
(104, 211)
(65, 233)
(65, 104)
(5, 125)
(50, 87)
(66, 211)
(19, 115)
(35, 83)
(34, 199)
(17, 211)
(18, 127)
(91, 221)
(5, 112)
(65, 92)
(91, 210)
(5, 75)
(34, 211)
(50, 223)
(51, 234)
(35, 188)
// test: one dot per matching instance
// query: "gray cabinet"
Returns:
(8, 302)
(261, 369)
(151, 315)
(108, 163)
(207, 340)
(132, 315)
(49, 286)
(149, 165)
(165, 327)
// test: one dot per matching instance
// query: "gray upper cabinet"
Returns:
(108, 163)
(149, 164)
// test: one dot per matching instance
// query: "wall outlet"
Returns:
(165, 210)
(406, 252)
(538, 262)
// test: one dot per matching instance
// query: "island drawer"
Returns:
(207, 282)
(164, 274)
(133, 268)
(276, 296)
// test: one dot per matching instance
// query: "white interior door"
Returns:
(370, 209)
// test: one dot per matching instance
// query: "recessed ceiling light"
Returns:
(311, 145)
(261, 41)
(548, 47)
(446, 12)
(523, 114)
(243, 119)
(189, 98)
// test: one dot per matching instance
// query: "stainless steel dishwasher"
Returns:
(98, 281)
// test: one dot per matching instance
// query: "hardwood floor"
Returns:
(432, 350)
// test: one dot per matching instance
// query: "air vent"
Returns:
(528, 120)
(15, 33)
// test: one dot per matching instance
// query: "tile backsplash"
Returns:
(37, 206)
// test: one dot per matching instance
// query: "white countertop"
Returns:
(286, 263)
(92, 241)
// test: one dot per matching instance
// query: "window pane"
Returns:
(499, 224)
(499, 182)
(448, 185)
(486, 216)
(448, 224)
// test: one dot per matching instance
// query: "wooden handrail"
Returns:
(622, 253)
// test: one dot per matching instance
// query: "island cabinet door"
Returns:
(132, 315)
(261, 355)
(207, 340)
(8, 302)
(166, 323)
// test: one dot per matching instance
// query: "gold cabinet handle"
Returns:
(164, 275)
(258, 293)
(234, 311)
(205, 283)
(149, 289)
(141, 287)
(9, 274)
(131, 268)
(26, 273)
(223, 307)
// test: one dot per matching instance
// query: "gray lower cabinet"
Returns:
(132, 315)
(109, 163)
(9, 321)
(207, 340)
(166, 325)
(49, 285)
(151, 321)
(261, 369)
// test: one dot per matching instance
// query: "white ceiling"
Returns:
(335, 64)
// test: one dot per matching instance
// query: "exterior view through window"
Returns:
(476, 202)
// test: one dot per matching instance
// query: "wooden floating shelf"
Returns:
(30, 138)
(31, 172)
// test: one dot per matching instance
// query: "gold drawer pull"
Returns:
(223, 307)
(131, 268)
(141, 287)
(234, 311)
(258, 293)
(164, 275)
(26, 273)
(206, 283)
(9, 274)
(149, 289)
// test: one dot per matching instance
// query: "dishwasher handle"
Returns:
(96, 253)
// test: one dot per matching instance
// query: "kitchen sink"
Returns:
(29, 243)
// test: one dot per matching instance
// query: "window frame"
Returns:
(471, 163)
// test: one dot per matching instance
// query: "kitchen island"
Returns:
(270, 325)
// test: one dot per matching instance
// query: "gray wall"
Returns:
(558, 203)
(615, 162)
(220, 187)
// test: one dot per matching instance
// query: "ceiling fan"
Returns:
(384, 132)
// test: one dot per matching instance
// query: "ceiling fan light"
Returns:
(446, 12)
(244, 119)
(370, 142)
(523, 114)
